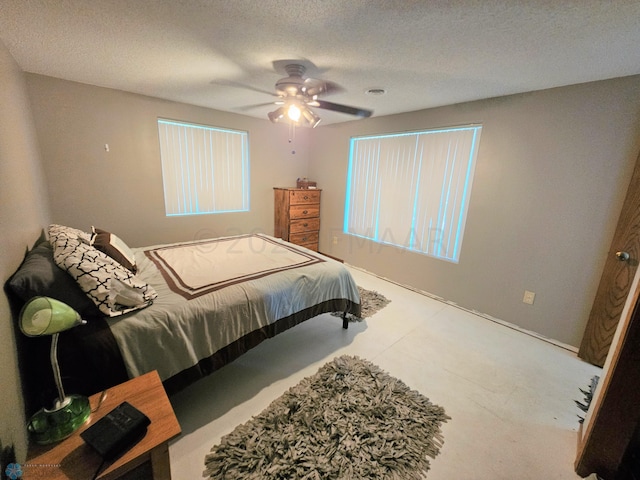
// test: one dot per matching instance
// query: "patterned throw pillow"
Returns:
(114, 289)
(55, 229)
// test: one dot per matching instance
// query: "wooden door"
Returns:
(614, 413)
(616, 279)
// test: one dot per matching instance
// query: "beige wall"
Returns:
(23, 215)
(121, 190)
(552, 171)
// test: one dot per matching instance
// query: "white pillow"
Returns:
(114, 289)
(55, 230)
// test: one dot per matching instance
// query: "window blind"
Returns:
(412, 189)
(204, 169)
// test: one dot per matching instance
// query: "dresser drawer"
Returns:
(304, 211)
(304, 238)
(299, 197)
(306, 225)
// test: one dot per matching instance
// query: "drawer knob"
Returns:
(306, 197)
(304, 212)
(305, 224)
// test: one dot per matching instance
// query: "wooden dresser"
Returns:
(297, 216)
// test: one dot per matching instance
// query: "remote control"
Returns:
(117, 431)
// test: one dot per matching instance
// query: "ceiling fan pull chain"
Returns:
(292, 135)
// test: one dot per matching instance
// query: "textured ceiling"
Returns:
(221, 54)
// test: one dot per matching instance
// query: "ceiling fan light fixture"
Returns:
(277, 114)
(297, 93)
(311, 118)
(294, 112)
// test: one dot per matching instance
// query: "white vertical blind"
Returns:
(204, 169)
(412, 189)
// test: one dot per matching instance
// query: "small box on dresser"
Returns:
(297, 216)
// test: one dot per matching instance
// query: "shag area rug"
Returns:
(351, 420)
(370, 302)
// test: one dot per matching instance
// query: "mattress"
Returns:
(219, 297)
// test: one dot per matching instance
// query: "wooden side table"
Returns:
(74, 460)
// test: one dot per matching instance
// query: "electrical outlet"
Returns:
(529, 297)
(335, 240)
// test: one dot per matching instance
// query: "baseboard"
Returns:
(512, 326)
(332, 257)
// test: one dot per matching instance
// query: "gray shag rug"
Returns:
(370, 302)
(351, 420)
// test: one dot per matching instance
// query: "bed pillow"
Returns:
(40, 276)
(55, 229)
(113, 246)
(114, 289)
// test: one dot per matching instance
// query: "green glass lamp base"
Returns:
(52, 425)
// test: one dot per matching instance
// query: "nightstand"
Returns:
(73, 459)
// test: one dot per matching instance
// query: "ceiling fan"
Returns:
(298, 93)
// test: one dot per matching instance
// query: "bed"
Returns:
(184, 309)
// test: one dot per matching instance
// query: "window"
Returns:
(412, 189)
(204, 169)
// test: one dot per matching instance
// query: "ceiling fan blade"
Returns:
(257, 105)
(321, 87)
(358, 112)
(231, 83)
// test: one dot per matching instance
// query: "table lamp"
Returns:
(48, 316)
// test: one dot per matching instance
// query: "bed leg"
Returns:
(345, 321)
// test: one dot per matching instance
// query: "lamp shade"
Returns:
(310, 118)
(277, 114)
(46, 316)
